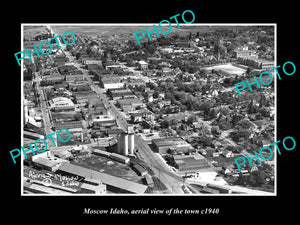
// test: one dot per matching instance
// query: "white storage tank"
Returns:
(123, 144)
(131, 144)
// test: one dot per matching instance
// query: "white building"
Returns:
(61, 103)
(112, 83)
(143, 65)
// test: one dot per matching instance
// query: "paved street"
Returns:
(45, 110)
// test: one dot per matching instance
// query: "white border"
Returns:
(147, 24)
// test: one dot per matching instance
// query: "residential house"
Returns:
(227, 153)
(226, 170)
(142, 65)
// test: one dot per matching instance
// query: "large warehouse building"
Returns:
(162, 145)
(192, 163)
(113, 184)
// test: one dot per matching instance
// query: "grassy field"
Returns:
(31, 31)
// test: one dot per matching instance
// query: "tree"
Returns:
(180, 96)
(205, 107)
(203, 73)
(165, 124)
(204, 130)
(262, 100)
(245, 124)
(212, 114)
(219, 48)
(251, 107)
(235, 119)
(150, 105)
(252, 180)
(155, 94)
(140, 88)
(264, 112)
(145, 95)
(261, 177)
(78, 55)
(191, 119)
(205, 141)
(215, 130)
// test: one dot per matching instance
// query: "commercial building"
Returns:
(61, 104)
(120, 93)
(51, 79)
(84, 97)
(140, 115)
(40, 188)
(72, 126)
(72, 78)
(47, 161)
(257, 63)
(176, 144)
(111, 65)
(113, 183)
(79, 86)
(111, 82)
(134, 82)
(60, 60)
(31, 135)
(244, 52)
(104, 121)
(129, 104)
(191, 163)
(93, 186)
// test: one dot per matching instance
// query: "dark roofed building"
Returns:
(60, 60)
(66, 69)
(191, 163)
(75, 126)
(162, 145)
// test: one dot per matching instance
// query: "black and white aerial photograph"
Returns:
(142, 109)
(184, 111)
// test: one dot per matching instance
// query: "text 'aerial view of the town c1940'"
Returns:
(159, 118)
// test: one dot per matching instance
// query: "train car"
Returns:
(120, 158)
(31, 135)
(139, 170)
(148, 180)
(220, 189)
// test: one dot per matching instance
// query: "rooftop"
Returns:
(169, 141)
(105, 178)
(129, 101)
(142, 62)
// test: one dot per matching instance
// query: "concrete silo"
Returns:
(123, 144)
(131, 143)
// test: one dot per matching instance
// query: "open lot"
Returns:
(103, 164)
(31, 31)
(228, 68)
